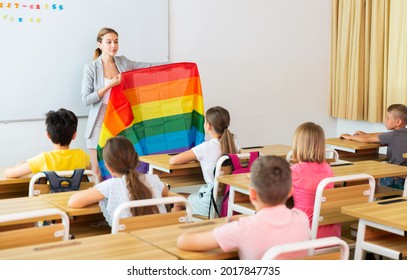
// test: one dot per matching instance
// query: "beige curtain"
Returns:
(397, 72)
(368, 58)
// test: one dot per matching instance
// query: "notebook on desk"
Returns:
(340, 162)
(252, 147)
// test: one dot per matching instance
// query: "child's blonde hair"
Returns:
(120, 156)
(219, 119)
(399, 111)
(271, 178)
(309, 143)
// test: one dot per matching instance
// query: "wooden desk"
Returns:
(84, 222)
(121, 246)
(280, 150)
(161, 161)
(350, 145)
(23, 204)
(386, 192)
(374, 168)
(356, 151)
(238, 183)
(60, 200)
(241, 182)
(180, 175)
(165, 238)
(82, 219)
(389, 217)
(13, 187)
(190, 174)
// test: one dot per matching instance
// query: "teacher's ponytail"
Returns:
(97, 53)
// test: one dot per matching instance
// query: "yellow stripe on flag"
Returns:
(167, 107)
(104, 135)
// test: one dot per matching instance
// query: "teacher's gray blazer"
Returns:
(93, 80)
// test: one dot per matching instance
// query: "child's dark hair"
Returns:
(271, 178)
(219, 119)
(120, 156)
(61, 126)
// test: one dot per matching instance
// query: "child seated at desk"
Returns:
(61, 128)
(273, 223)
(395, 139)
(309, 151)
(127, 184)
(217, 121)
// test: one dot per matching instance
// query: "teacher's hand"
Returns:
(116, 80)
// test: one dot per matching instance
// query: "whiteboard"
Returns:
(45, 46)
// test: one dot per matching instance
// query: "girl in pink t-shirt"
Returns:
(309, 153)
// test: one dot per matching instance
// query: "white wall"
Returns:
(50, 68)
(345, 126)
(267, 61)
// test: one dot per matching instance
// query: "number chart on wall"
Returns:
(45, 44)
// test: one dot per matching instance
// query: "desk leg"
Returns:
(231, 201)
(360, 238)
(364, 245)
(150, 169)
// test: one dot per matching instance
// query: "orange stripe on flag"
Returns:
(162, 91)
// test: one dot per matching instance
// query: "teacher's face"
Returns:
(109, 44)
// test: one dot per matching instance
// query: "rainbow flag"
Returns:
(159, 109)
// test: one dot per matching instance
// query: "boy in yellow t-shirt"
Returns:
(61, 129)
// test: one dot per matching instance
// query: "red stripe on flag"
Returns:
(119, 114)
(158, 74)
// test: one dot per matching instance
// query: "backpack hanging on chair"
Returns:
(56, 185)
(236, 169)
(71, 183)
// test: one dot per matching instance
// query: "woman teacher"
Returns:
(99, 77)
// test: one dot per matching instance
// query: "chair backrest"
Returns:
(328, 202)
(331, 155)
(39, 186)
(24, 235)
(153, 220)
(276, 251)
(222, 169)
